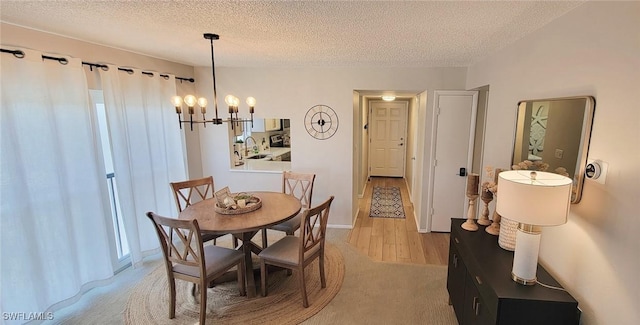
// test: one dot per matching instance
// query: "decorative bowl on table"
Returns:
(228, 203)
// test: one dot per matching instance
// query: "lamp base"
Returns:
(525, 257)
(526, 282)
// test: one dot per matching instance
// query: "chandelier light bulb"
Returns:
(176, 101)
(202, 102)
(251, 101)
(230, 100)
(190, 100)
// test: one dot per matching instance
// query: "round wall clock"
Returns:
(321, 122)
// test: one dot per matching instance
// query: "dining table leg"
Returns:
(249, 248)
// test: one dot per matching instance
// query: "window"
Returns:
(120, 246)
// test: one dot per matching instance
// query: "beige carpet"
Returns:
(386, 293)
(371, 293)
(149, 300)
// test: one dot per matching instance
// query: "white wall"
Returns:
(593, 50)
(289, 93)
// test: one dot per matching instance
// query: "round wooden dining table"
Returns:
(276, 208)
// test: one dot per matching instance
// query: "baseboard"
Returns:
(340, 226)
(364, 190)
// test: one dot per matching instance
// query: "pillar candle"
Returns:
(473, 180)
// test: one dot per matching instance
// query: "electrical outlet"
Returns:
(559, 153)
(603, 168)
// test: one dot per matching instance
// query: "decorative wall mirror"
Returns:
(556, 132)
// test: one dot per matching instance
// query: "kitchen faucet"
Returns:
(246, 145)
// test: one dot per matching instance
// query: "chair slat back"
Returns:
(180, 240)
(192, 191)
(314, 226)
(299, 185)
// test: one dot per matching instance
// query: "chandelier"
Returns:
(192, 102)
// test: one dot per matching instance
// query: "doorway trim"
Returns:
(418, 111)
(403, 139)
(432, 146)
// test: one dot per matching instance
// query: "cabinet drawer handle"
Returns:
(456, 239)
(455, 260)
(477, 308)
(474, 304)
(478, 280)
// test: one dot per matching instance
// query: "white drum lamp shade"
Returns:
(532, 199)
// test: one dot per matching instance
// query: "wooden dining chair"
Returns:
(187, 259)
(295, 253)
(193, 191)
(298, 185)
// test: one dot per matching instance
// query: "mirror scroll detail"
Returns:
(555, 132)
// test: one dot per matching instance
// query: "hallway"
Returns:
(395, 240)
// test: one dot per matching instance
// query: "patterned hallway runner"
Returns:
(386, 203)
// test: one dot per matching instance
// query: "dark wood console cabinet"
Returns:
(482, 292)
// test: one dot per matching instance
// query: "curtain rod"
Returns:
(20, 54)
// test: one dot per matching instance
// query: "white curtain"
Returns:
(148, 150)
(54, 195)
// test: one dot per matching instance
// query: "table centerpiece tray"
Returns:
(238, 203)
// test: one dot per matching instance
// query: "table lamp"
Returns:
(533, 199)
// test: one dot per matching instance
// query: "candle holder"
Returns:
(494, 228)
(473, 181)
(486, 197)
(470, 224)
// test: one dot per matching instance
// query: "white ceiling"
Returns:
(295, 33)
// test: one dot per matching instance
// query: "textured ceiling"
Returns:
(295, 33)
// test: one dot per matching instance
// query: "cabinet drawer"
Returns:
(476, 310)
(476, 276)
(456, 278)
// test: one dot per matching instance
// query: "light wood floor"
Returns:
(393, 239)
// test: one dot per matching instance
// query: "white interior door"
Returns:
(388, 138)
(454, 130)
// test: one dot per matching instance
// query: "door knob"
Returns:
(402, 144)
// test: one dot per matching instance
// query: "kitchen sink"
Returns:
(258, 157)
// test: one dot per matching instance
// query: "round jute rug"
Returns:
(149, 300)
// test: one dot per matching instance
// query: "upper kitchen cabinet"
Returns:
(266, 125)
